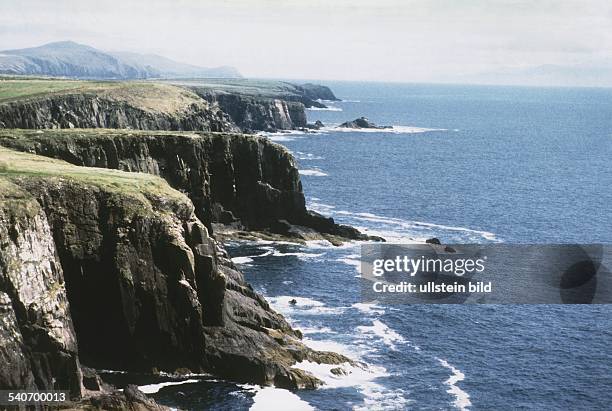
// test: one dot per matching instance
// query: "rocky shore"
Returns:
(111, 241)
(115, 269)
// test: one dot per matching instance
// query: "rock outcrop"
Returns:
(115, 269)
(245, 180)
(259, 114)
(318, 92)
(38, 347)
(119, 105)
(157, 106)
(362, 122)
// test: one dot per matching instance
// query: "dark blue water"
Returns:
(510, 164)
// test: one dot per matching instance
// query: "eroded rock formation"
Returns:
(118, 265)
(231, 178)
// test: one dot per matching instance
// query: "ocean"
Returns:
(466, 164)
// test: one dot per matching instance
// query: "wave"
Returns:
(297, 254)
(285, 135)
(362, 378)
(462, 398)
(379, 329)
(369, 308)
(307, 156)
(328, 108)
(314, 172)
(290, 135)
(303, 305)
(112, 372)
(242, 260)
(353, 261)
(316, 330)
(393, 130)
(249, 258)
(272, 399)
(154, 388)
(401, 231)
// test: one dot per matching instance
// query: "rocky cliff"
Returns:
(317, 92)
(247, 181)
(115, 269)
(49, 104)
(38, 347)
(260, 114)
(116, 105)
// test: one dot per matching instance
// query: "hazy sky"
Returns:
(433, 40)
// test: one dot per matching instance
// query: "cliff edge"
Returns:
(247, 183)
(114, 269)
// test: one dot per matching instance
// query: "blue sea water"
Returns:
(464, 164)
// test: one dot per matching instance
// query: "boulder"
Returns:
(362, 122)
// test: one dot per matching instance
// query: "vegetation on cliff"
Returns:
(114, 269)
(245, 181)
(211, 105)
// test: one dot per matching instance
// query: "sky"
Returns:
(378, 40)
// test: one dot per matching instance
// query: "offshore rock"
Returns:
(362, 122)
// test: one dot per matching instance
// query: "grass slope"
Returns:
(137, 189)
(148, 96)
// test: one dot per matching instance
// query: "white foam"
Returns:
(316, 330)
(328, 108)
(273, 399)
(302, 256)
(153, 388)
(379, 329)
(414, 227)
(320, 207)
(363, 378)
(249, 258)
(352, 262)
(355, 375)
(393, 130)
(314, 172)
(462, 398)
(399, 231)
(369, 308)
(303, 305)
(308, 156)
(242, 260)
(281, 138)
(330, 345)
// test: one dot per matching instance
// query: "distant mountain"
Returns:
(70, 59)
(172, 69)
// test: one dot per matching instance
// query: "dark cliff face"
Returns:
(151, 106)
(259, 114)
(229, 177)
(85, 110)
(124, 258)
(248, 176)
(317, 92)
